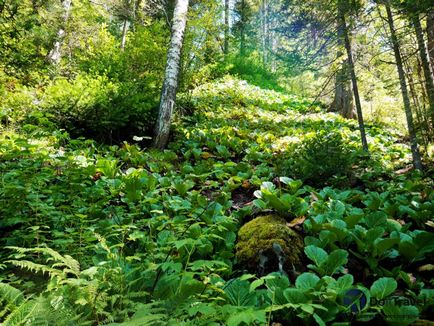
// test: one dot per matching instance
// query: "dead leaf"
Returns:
(430, 223)
(426, 268)
(206, 155)
(246, 184)
(404, 170)
(297, 221)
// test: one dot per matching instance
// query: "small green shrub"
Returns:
(98, 107)
(16, 105)
(318, 158)
(251, 69)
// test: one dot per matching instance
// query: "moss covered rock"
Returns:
(258, 241)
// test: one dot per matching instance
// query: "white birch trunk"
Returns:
(168, 94)
(55, 54)
(124, 34)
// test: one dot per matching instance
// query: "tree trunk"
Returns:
(421, 116)
(353, 79)
(124, 34)
(168, 94)
(424, 100)
(243, 19)
(264, 19)
(55, 54)
(267, 32)
(430, 32)
(429, 83)
(242, 30)
(417, 162)
(226, 45)
(343, 100)
(273, 45)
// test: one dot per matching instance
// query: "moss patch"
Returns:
(259, 235)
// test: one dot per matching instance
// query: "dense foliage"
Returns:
(111, 234)
(293, 184)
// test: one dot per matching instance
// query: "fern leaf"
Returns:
(9, 294)
(26, 313)
(34, 267)
(10, 298)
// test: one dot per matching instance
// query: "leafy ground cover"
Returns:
(95, 234)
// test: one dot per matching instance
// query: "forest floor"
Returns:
(151, 236)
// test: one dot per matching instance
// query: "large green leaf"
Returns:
(295, 296)
(306, 281)
(238, 293)
(408, 249)
(344, 282)
(383, 287)
(335, 260)
(316, 254)
(385, 244)
(400, 315)
(376, 219)
(247, 317)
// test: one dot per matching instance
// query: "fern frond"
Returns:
(27, 312)
(137, 295)
(34, 267)
(9, 294)
(72, 265)
(41, 311)
(10, 298)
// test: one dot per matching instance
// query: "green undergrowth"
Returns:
(95, 234)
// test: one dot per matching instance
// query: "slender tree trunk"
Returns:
(168, 94)
(424, 101)
(242, 42)
(226, 45)
(264, 18)
(430, 33)
(429, 83)
(274, 44)
(55, 54)
(124, 34)
(353, 79)
(242, 29)
(417, 162)
(267, 31)
(420, 82)
(421, 116)
(134, 15)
